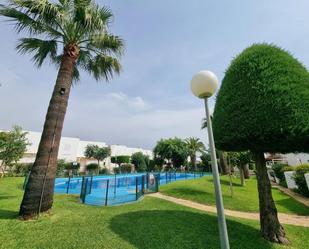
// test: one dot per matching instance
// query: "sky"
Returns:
(167, 42)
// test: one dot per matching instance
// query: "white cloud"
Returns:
(121, 99)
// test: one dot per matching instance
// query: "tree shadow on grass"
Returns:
(187, 191)
(182, 230)
(8, 214)
(5, 197)
(227, 183)
(293, 206)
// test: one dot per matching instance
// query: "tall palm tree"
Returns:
(194, 145)
(74, 35)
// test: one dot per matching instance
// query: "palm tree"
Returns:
(222, 159)
(74, 35)
(194, 145)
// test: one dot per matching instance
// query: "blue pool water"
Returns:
(114, 190)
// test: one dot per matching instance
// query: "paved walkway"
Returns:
(284, 218)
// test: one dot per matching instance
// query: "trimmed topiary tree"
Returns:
(262, 106)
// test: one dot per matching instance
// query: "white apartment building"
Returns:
(72, 150)
(292, 159)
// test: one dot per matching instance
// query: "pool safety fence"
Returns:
(118, 189)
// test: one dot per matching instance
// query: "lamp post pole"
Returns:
(224, 240)
(203, 85)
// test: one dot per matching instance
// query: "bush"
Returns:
(120, 159)
(92, 167)
(103, 171)
(126, 168)
(279, 171)
(116, 170)
(251, 166)
(22, 169)
(300, 179)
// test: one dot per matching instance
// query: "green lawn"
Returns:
(150, 223)
(245, 198)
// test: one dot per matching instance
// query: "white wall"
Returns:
(295, 159)
(122, 150)
(289, 179)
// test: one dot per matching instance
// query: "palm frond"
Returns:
(204, 123)
(24, 22)
(103, 67)
(41, 49)
(43, 10)
(76, 75)
(91, 17)
(80, 23)
(106, 43)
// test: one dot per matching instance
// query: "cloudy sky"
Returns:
(167, 41)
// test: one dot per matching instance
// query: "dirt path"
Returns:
(291, 219)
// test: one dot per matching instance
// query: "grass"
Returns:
(150, 223)
(244, 199)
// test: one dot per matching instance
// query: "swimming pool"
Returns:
(117, 189)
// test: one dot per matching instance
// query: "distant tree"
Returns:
(93, 167)
(121, 159)
(90, 150)
(206, 161)
(138, 159)
(173, 150)
(224, 168)
(241, 160)
(98, 153)
(262, 106)
(194, 146)
(13, 145)
(61, 164)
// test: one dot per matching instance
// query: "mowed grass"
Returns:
(148, 224)
(244, 199)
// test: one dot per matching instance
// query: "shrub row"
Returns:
(300, 180)
(299, 176)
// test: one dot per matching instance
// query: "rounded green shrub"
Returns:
(120, 159)
(299, 177)
(22, 169)
(263, 103)
(126, 168)
(92, 166)
(279, 169)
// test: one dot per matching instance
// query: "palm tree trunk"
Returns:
(38, 196)
(271, 228)
(193, 162)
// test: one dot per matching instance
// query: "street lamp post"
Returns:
(203, 85)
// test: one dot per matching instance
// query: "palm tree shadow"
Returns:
(182, 229)
(8, 214)
(5, 197)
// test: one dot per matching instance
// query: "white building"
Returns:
(72, 150)
(292, 159)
